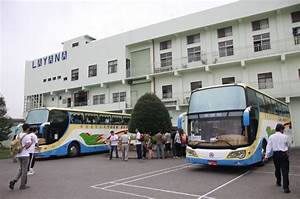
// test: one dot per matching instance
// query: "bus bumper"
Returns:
(245, 162)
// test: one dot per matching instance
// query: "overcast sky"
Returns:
(32, 29)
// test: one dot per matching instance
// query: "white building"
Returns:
(253, 42)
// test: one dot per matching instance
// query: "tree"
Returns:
(150, 115)
(5, 121)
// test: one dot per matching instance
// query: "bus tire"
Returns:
(73, 149)
(263, 153)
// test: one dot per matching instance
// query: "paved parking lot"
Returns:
(95, 176)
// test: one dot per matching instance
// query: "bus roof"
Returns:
(78, 110)
(238, 84)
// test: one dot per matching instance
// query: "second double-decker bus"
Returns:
(230, 124)
(72, 132)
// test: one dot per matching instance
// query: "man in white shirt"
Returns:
(278, 144)
(114, 139)
(138, 144)
(32, 149)
(23, 158)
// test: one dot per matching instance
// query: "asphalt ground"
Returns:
(94, 176)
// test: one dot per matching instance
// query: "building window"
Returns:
(166, 59)
(65, 78)
(44, 80)
(112, 66)
(265, 80)
(80, 98)
(119, 97)
(167, 92)
(99, 99)
(53, 78)
(260, 24)
(122, 96)
(75, 44)
(296, 33)
(195, 85)
(261, 42)
(296, 17)
(194, 54)
(190, 39)
(58, 77)
(93, 70)
(74, 74)
(299, 73)
(226, 48)
(228, 80)
(165, 45)
(225, 32)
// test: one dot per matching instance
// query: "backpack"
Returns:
(16, 145)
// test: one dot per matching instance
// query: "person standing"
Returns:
(32, 149)
(177, 143)
(168, 140)
(138, 144)
(278, 144)
(23, 159)
(159, 145)
(114, 139)
(125, 140)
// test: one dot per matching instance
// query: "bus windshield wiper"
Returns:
(228, 143)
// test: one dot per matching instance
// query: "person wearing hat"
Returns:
(278, 144)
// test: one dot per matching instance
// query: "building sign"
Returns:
(49, 59)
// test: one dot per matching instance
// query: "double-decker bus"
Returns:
(72, 132)
(230, 124)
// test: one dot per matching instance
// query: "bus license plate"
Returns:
(212, 162)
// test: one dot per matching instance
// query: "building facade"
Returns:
(251, 42)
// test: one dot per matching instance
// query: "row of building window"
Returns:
(54, 78)
(265, 81)
(260, 41)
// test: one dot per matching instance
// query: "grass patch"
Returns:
(5, 153)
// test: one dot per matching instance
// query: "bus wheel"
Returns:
(73, 149)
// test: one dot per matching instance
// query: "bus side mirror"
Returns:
(246, 117)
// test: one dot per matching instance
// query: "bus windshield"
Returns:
(37, 116)
(218, 99)
(217, 130)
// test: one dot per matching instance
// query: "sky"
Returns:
(32, 29)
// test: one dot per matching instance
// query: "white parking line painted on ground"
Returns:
(127, 193)
(162, 190)
(267, 172)
(143, 174)
(150, 176)
(219, 187)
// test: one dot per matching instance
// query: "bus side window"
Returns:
(261, 102)
(268, 104)
(251, 97)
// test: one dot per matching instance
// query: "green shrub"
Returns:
(149, 115)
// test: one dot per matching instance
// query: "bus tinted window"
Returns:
(104, 119)
(91, 118)
(251, 97)
(273, 106)
(77, 118)
(268, 104)
(126, 120)
(116, 119)
(261, 102)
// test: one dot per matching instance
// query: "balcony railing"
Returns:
(212, 57)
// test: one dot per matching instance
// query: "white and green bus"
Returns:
(72, 132)
(230, 124)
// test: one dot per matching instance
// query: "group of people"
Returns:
(166, 145)
(26, 156)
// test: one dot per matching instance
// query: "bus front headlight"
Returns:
(237, 154)
(191, 152)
